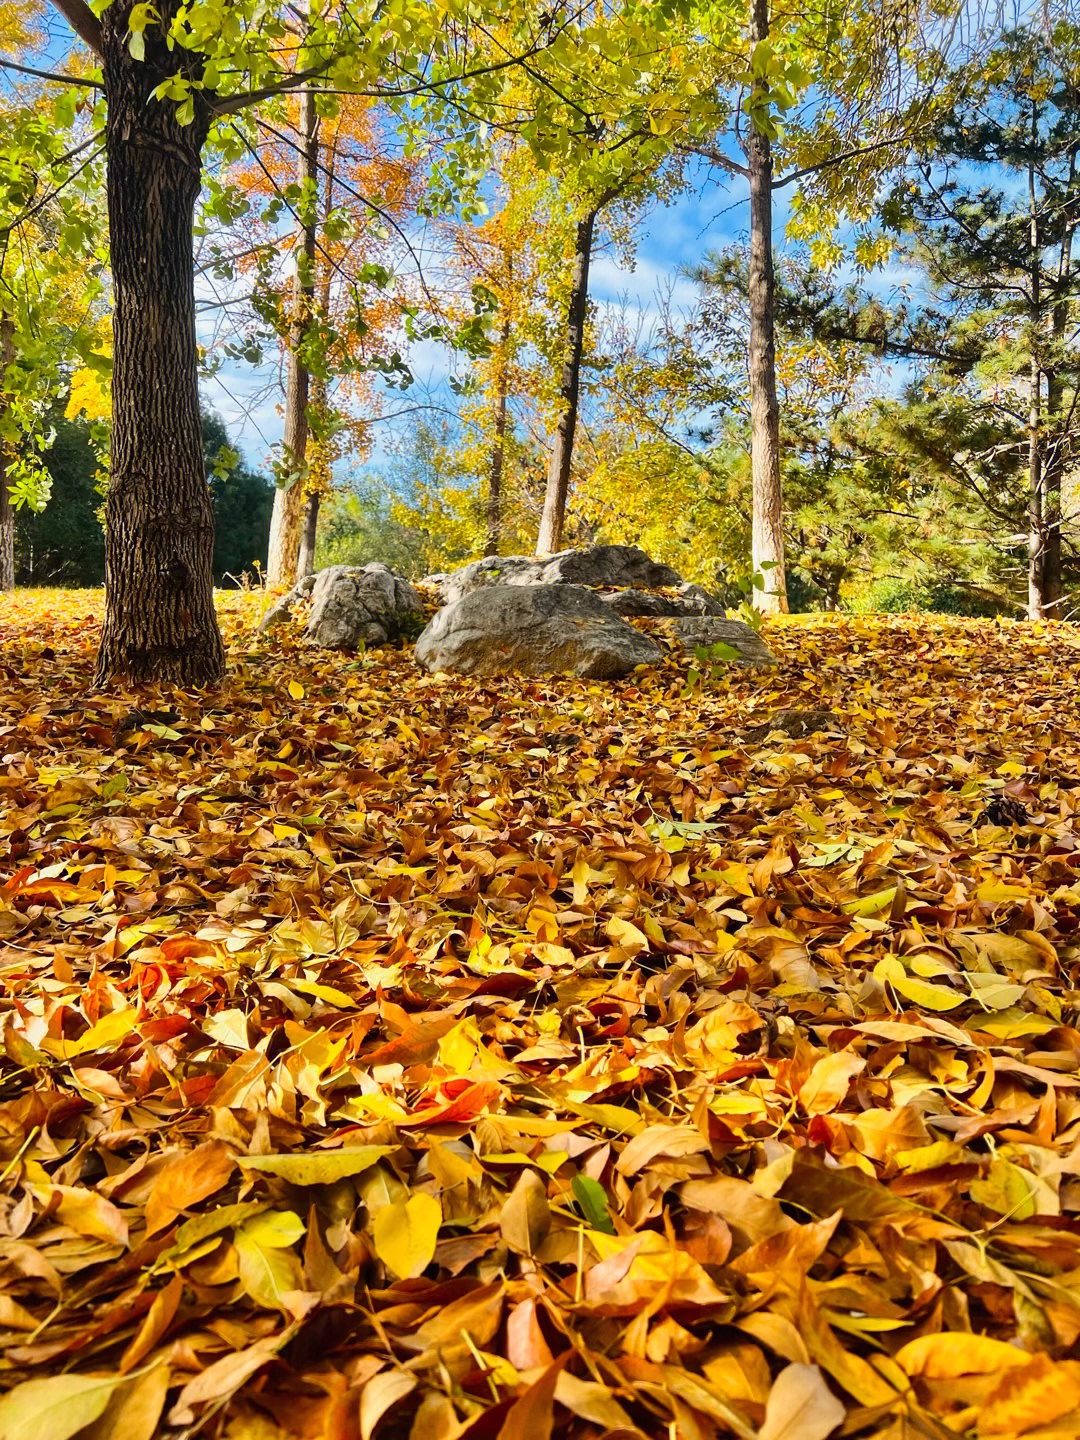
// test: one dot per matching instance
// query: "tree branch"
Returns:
(49, 75)
(84, 22)
(904, 136)
(715, 157)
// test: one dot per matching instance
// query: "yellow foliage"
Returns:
(89, 396)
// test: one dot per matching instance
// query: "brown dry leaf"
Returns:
(380, 1393)
(185, 1180)
(526, 1218)
(800, 1406)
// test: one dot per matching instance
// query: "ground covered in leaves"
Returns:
(389, 1055)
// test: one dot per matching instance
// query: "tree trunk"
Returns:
(159, 529)
(497, 461)
(768, 498)
(7, 510)
(1054, 461)
(562, 454)
(290, 502)
(1036, 509)
(307, 541)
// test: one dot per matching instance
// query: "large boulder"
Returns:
(601, 565)
(689, 600)
(534, 629)
(706, 631)
(352, 606)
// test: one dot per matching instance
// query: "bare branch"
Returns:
(50, 76)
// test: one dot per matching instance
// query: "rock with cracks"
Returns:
(710, 630)
(688, 601)
(534, 630)
(352, 606)
(607, 566)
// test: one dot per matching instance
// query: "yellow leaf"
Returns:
(405, 1233)
(296, 690)
(628, 937)
(269, 1268)
(828, 1082)
(1005, 1189)
(1031, 1396)
(105, 1035)
(55, 1407)
(953, 1353)
(870, 904)
(317, 1167)
(927, 997)
(997, 891)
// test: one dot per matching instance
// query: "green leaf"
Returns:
(592, 1202)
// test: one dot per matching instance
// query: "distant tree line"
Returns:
(64, 544)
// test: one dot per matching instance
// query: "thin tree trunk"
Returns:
(159, 529)
(497, 461)
(562, 454)
(768, 498)
(307, 541)
(7, 510)
(287, 521)
(1054, 460)
(1036, 509)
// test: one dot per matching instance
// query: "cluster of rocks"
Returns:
(561, 614)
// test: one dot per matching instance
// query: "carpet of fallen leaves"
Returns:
(399, 1056)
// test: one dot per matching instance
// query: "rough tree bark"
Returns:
(7, 510)
(558, 476)
(1056, 423)
(159, 611)
(768, 497)
(287, 521)
(306, 563)
(1036, 474)
(497, 460)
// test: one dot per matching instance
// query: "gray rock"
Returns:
(535, 630)
(281, 610)
(797, 724)
(608, 565)
(355, 605)
(690, 600)
(709, 630)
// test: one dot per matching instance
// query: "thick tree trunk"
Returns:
(562, 454)
(497, 461)
(768, 497)
(159, 609)
(290, 504)
(7, 510)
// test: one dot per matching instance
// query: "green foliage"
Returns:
(63, 544)
(908, 597)
(357, 524)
